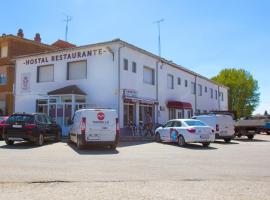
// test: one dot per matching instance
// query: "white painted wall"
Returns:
(101, 84)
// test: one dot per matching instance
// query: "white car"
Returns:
(182, 131)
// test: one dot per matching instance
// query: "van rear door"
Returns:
(100, 125)
(226, 125)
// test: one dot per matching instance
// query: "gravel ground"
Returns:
(239, 170)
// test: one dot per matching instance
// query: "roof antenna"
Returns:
(67, 20)
(159, 42)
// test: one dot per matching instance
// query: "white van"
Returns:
(95, 126)
(222, 124)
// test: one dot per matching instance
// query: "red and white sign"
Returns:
(25, 82)
(100, 116)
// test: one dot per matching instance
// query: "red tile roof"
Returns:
(6, 61)
(63, 44)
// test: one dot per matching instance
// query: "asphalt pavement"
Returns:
(238, 170)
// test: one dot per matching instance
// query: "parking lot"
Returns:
(239, 170)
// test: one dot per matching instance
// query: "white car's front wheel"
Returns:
(181, 141)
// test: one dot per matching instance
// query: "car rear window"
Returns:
(20, 118)
(194, 123)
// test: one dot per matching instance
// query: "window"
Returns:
(3, 78)
(4, 51)
(77, 70)
(211, 92)
(177, 124)
(172, 113)
(200, 89)
(189, 114)
(194, 123)
(126, 64)
(170, 81)
(148, 75)
(45, 73)
(169, 124)
(179, 81)
(134, 67)
(216, 94)
(205, 89)
(193, 88)
(186, 83)
(129, 114)
(221, 96)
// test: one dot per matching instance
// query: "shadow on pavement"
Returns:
(192, 146)
(225, 143)
(126, 144)
(248, 140)
(25, 145)
(93, 150)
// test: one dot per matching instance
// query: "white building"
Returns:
(112, 74)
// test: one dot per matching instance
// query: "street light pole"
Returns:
(159, 40)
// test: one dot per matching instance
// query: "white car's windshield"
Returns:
(194, 123)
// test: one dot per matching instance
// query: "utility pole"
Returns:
(67, 20)
(159, 41)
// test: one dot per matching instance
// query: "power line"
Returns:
(159, 40)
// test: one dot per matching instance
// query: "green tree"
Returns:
(243, 94)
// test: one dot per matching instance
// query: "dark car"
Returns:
(3, 120)
(36, 127)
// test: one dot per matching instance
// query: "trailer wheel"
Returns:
(250, 137)
(227, 140)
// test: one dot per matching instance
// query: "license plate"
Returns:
(205, 136)
(17, 126)
(93, 137)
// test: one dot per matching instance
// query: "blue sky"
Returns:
(204, 35)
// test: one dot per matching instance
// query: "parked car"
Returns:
(95, 126)
(222, 124)
(3, 120)
(36, 127)
(182, 131)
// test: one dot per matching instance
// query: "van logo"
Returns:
(100, 116)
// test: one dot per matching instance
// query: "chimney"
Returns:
(20, 33)
(37, 38)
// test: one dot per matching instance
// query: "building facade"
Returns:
(113, 74)
(10, 47)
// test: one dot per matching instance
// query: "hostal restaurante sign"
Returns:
(64, 56)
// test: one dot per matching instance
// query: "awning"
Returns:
(71, 89)
(179, 105)
(140, 100)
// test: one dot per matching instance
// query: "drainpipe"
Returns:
(119, 80)
(218, 99)
(14, 85)
(195, 95)
(157, 68)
